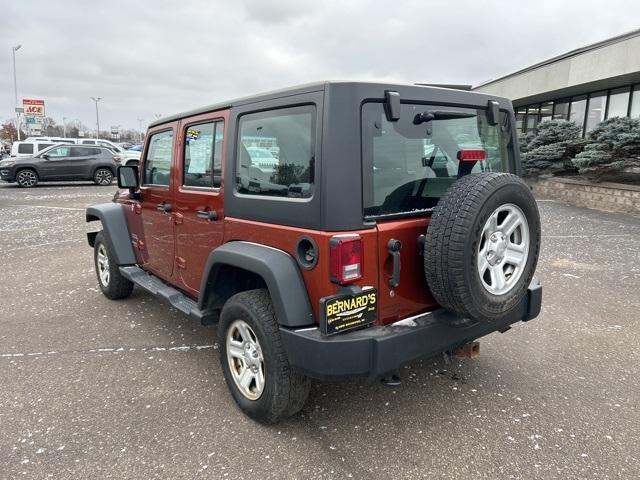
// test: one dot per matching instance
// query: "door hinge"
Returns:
(178, 218)
(181, 262)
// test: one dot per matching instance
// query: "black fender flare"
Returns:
(115, 228)
(277, 268)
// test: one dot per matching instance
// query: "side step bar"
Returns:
(164, 292)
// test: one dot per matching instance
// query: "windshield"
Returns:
(409, 164)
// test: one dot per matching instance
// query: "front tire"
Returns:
(103, 177)
(254, 361)
(27, 178)
(111, 281)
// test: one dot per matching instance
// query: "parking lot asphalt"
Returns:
(92, 388)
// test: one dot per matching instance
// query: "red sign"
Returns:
(33, 108)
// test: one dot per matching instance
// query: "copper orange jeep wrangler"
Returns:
(338, 229)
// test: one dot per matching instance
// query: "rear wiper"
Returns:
(440, 115)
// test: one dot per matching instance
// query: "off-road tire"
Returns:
(452, 243)
(27, 178)
(285, 390)
(117, 286)
(103, 177)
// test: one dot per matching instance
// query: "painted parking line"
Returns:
(50, 206)
(180, 348)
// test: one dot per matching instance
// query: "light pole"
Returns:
(15, 87)
(140, 120)
(97, 99)
(64, 127)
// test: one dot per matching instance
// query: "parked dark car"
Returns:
(62, 162)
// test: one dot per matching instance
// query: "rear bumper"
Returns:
(378, 351)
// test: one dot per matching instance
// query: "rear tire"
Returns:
(27, 178)
(111, 281)
(273, 389)
(482, 246)
(103, 177)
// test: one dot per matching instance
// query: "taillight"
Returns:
(345, 258)
(472, 154)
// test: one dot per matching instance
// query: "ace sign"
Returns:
(33, 108)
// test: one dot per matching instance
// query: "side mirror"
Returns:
(45, 156)
(128, 177)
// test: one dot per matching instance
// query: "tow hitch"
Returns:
(469, 350)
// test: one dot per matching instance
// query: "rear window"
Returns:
(276, 153)
(409, 164)
(25, 148)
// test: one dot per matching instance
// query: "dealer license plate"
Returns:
(348, 311)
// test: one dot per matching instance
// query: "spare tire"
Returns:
(482, 246)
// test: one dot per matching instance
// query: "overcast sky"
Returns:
(161, 57)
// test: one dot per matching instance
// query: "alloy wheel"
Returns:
(102, 261)
(245, 359)
(503, 249)
(27, 178)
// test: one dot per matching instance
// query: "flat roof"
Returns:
(564, 56)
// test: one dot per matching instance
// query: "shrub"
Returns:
(612, 151)
(549, 151)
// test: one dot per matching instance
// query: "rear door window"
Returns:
(408, 165)
(202, 155)
(157, 164)
(25, 148)
(42, 146)
(276, 153)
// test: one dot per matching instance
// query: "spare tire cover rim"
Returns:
(503, 249)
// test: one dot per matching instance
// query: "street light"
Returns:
(140, 120)
(15, 87)
(64, 127)
(97, 99)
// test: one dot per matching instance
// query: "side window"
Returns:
(84, 151)
(276, 152)
(25, 148)
(157, 164)
(59, 152)
(42, 146)
(202, 155)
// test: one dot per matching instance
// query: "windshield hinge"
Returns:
(392, 105)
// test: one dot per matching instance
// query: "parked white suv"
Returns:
(128, 157)
(29, 148)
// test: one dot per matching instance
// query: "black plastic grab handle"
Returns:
(210, 215)
(393, 247)
(164, 207)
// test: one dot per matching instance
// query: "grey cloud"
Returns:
(148, 57)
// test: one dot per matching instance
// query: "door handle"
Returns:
(393, 247)
(164, 207)
(210, 215)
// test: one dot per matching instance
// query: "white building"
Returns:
(586, 85)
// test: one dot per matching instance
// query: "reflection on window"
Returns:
(276, 153)
(596, 111)
(532, 118)
(561, 110)
(546, 110)
(618, 103)
(157, 164)
(578, 107)
(202, 145)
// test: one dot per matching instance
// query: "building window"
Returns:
(635, 102)
(578, 108)
(521, 115)
(618, 102)
(561, 110)
(546, 111)
(532, 118)
(596, 110)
